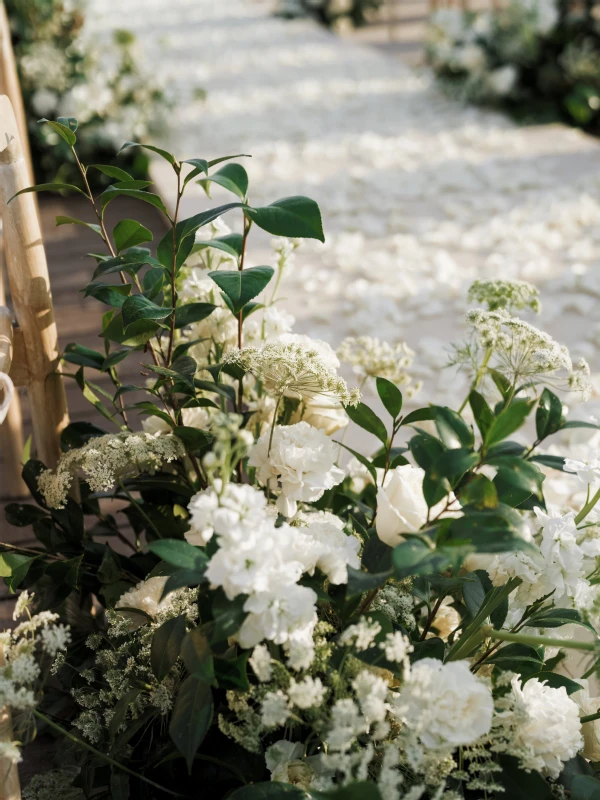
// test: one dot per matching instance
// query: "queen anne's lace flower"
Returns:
(260, 661)
(300, 461)
(104, 460)
(293, 370)
(445, 704)
(275, 709)
(509, 295)
(370, 357)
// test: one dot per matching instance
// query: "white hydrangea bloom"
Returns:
(334, 551)
(445, 704)
(274, 709)
(307, 693)
(551, 732)
(371, 691)
(362, 634)
(277, 615)
(397, 647)
(260, 661)
(228, 512)
(300, 461)
(346, 724)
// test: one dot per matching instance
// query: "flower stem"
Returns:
(546, 641)
(590, 717)
(587, 508)
(55, 726)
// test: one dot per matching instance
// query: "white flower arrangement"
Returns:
(391, 626)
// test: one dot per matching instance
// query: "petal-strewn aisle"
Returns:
(419, 194)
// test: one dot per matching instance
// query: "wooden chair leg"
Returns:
(30, 292)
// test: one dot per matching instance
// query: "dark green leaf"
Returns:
(519, 784)
(414, 557)
(228, 616)
(366, 418)
(129, 233)
(84, 356)
(192, 312)
(111, 294)
(230, 244)
(111, 192)
(454, 463)
(119, 785)
(579, 424)
(390, 396)
(197, 656)
(166, 645)
(359, 581)
(426, 450)
(482, 413)
(419, 415)
(508, 421)
(128, 262)
(191, 717)
(194, 439)
(241, 286)
(163, 153)
(556, 681)
(137, 333)
(76, 434)
(49, 187)
(60, 220)
(273, 790)
(231, 673)
(188, 227)
(297, 217)
(21, 515)
(585, 787)
(548, 414)
(453, 430)
(555, 617)
(179, 553)
(112, 172)
(138, 308)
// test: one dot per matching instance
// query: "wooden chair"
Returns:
(35, 340)
(11, 429)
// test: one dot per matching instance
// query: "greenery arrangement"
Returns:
(273, 625)
(333, 13)
(535, 58)
(64, 68)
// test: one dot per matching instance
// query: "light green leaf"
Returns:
(129, 233)
(112, 172)
(163, 153)
(60, 220)
(50, 187)
(63, 131)
(232, 177)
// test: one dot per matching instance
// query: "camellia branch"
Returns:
(534, 641)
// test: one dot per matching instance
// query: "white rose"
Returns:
(445, 703)
(401, 507)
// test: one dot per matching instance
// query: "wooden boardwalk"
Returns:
(78, 318)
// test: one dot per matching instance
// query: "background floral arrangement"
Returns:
(534, 57)
(66, 68)
(274, 623)
(329, 12)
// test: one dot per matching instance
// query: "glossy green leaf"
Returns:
(136, 334)
(452, 429)
(191, 717)
(21, 515)
(419, 415)
(110, 193)
(585, 787)
(360, 581)
(426, 450)
(50, 187)
(128, 262)
(297, 217)
(188, 227)
(192, 312)
(64, 131)
(60, 220)
(367, 419)
(519, 784)
(166, 645)
(197, 656)
(138, 308)
(112, 172)
(241, 286)
(129, 233)
(14, 568)
(163, 153)
(232, 177)
(230, 244)
(390, 396)
(479, 492)
(77, 434)
(556, 617)
(482, 413)
(556, 681)
(179, 553)
(111, 294)
(84, 356)
(228, 615)
(508, 421)
(548, 414)
(414, 557)
(194, 439)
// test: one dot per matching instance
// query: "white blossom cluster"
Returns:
(264, 561)
(28, 654)
(105, 459)
(371, 357)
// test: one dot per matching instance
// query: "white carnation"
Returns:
(445, 704)
(229, 513)
(300, 461)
